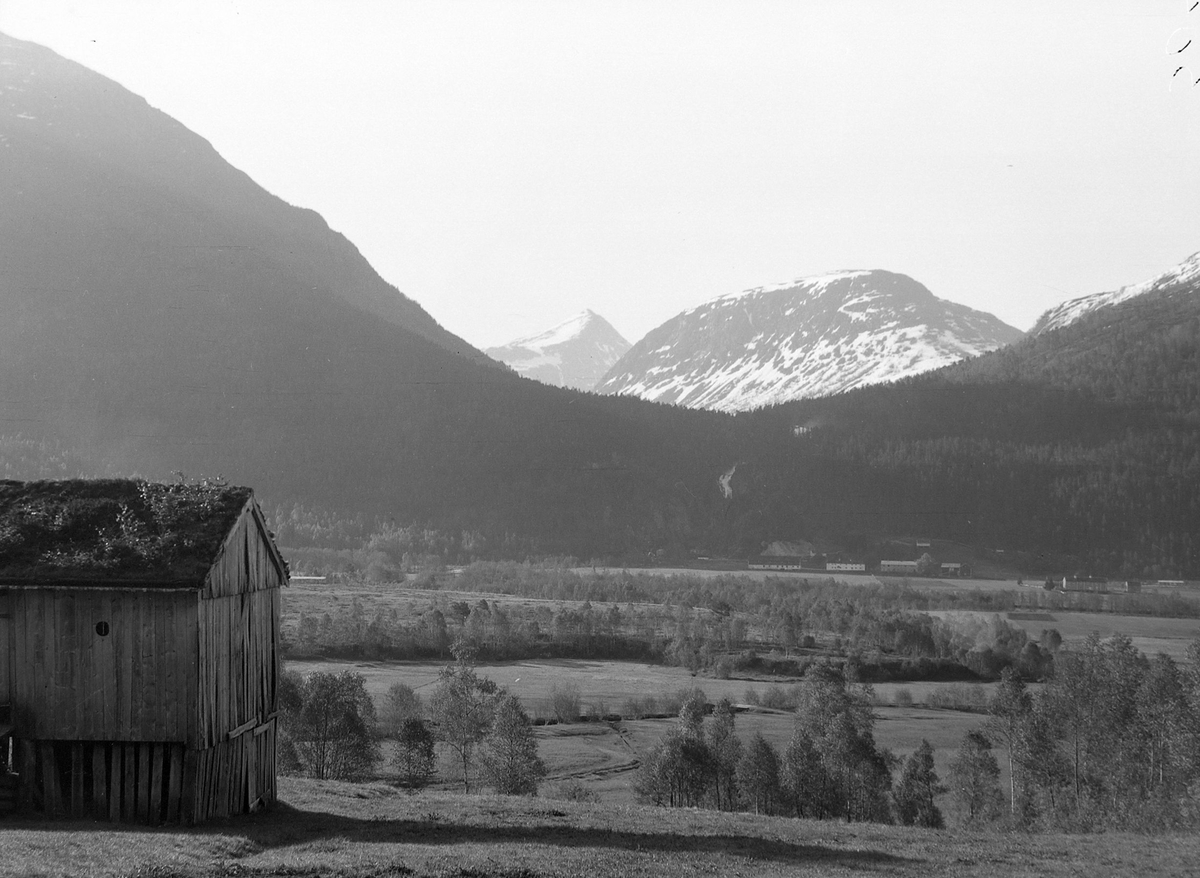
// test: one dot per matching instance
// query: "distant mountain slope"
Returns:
(159, 311)
(128, 175)
(1079, 445)
(1186, 274)
(812, 337)
(575, 353)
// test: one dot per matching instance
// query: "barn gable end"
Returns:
(142, 648)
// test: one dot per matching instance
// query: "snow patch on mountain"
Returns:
(810, 337)
(575, 353)
(1187, 272)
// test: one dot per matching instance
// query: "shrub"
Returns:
(399, 705)
(414, 754)
(778, 698)
(329, 720)
(575, 791)
(565, 702)
(919, 785)
(959, 696)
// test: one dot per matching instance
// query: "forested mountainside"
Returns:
(163, 313)
(1076, 451)
(1082, 441)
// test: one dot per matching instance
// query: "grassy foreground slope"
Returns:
(336, 829)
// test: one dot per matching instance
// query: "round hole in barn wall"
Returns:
(102, 629)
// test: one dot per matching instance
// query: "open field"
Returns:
(338, 830)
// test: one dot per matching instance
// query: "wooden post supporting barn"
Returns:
(139, 649)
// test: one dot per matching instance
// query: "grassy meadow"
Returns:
(339, 830)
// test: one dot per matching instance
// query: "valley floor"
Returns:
(339, 829)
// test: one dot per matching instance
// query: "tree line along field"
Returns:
(701, 611)
(601, 756)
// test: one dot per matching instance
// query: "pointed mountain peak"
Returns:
(574, 353)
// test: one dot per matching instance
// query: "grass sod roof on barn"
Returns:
(114, 531)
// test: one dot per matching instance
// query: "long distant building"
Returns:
(791, 562)
(775, 562)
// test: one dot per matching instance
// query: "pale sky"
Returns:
(508, 164)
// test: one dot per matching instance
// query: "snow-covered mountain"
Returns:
(1186, 272)
(811, 337)
(576, 353)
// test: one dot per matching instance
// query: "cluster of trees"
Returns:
(800, 620)
(1111, 741)
(831, 768)
(494, 630)
(331, 729)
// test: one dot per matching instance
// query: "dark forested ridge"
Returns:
(1083, 441)
(163, 313)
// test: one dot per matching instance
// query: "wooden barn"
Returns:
(139, 649)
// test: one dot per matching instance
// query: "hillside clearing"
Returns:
(337, 829)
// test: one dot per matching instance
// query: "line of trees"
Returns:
(718, 626)
(831, 768)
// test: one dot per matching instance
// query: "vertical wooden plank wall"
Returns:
(239, 634)
(119, 781)
(234, 777)
(76, 684)
(232, 768)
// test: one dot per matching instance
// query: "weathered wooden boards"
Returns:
(129, 782)
(6, 664)
(152, 703)
(147, 782)
(233, 777)
(238, 663)
(71, 682)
